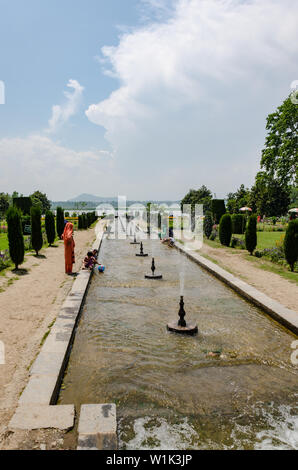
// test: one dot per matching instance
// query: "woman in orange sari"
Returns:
(69, 245)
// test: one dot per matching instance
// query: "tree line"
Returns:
(54, 227)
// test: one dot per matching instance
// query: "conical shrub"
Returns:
(59, 221)
(50, 227)
(291, 243)
(15, 236)
(225, 230)
(208, 223)
(36, 233)
(251, 234)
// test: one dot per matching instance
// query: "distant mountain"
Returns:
(91, 198)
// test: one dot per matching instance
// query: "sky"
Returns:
(142, 98)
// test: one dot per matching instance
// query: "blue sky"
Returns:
(145, 98)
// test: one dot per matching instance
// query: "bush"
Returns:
(4, 259)
(36, 233)
(291, 243)
(15, 236)
(218, 209)
(50, 227)
(208, 223)
(251, 234)
(213, 235)
(59, 221)
(238, 223)
(225, 230)
(237, 243)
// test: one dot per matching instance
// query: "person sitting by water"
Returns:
(89, 261)
(170, 241)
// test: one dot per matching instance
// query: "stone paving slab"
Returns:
(98, 427)
(279, 312)
(39, 390)
(43, 417)
(48, 363)
(55, 343)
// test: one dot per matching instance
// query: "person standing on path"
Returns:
(69, 246)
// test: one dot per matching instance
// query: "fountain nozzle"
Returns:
(153, 275)
(181, 326)
(181, 313)
(142, 254)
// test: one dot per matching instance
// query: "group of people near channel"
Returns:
(90, 259)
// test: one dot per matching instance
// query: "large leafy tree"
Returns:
(40, 199)
(200, 196)
(280, 155)
(237, 200)
(269, 196)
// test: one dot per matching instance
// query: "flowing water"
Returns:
(169, 391)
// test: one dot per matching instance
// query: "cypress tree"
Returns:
(50, 227)
(208, 222)
(36, 233)
(225, 229)
(291, 243)
(251, 234)
(85, 221)
(218, 209)
(15, 236)
(59, 221)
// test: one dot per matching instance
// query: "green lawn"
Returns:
(3, 241)
(266, 239)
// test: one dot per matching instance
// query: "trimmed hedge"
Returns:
(225, 230)
(36, 233)
(85, 220)
(218, 209)
(251, 234)
(15, 236)
(50, 227)
(291, 243)
(238, 223)
(208, 224)
(59, 221)
(23, 203)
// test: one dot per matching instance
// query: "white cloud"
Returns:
(62, 113)
(195, 90)
(37, 162)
